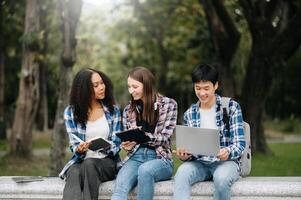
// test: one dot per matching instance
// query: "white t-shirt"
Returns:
(208, 118)
(96, 129)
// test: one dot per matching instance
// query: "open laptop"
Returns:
(198, 141)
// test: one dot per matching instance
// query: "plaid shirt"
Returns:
(234, 140)
(76, 133)
(161, 138)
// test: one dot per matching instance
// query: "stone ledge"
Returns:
(245, 189)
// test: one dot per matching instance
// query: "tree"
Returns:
(275, 27)
(42, 113)
(161, 36)
(21, 137)
(225, 38)
(70, 13)
(2, 121)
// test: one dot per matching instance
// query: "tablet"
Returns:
(198, 141)
(136, 135)
(99, 144)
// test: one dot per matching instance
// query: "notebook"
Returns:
(198, 141)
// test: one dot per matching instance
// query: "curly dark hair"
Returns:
(82, 91)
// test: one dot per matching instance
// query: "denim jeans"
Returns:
(223, 173)
(142, 169)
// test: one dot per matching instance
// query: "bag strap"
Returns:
(225, 107)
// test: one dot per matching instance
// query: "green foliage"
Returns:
(33, 40)
(291, 124)
(284, 98)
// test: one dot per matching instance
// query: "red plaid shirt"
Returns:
(161, 138)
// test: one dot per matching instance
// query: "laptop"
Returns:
(198, 141)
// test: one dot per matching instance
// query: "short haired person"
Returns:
(92, 113)
(224, 168)
(147, 163)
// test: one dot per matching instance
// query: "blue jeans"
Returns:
(142, 169)
(224, 174)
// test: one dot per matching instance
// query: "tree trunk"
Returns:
(2, 80)
(42, 113)
(225, 38)
(254, 95)
(21, 137)
(70, 11)
(2, 89)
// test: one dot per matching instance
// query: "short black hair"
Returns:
(204, 72)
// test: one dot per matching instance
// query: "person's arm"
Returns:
(237, 139)
(162, 137)
(116, 127)
(74, 139)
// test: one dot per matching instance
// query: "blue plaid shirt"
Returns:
(76, 133)
(233, 140)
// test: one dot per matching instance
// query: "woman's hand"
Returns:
(128, 145)
(223, 154)
(182, 154)
(83, 147)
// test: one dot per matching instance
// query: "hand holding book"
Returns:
(136, 135)
(99, 144)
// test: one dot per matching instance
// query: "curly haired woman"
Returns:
(92, 113)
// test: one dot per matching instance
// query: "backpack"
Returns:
(246, 156)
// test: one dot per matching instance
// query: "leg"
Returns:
(151, 172)
(72, 189)
(126, 180)
(187, 174)
(224, 175)
(95, 171)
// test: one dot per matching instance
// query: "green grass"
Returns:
(40, 141)
(286, 161)
(15, 166)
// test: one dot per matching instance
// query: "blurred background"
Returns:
(255, 45)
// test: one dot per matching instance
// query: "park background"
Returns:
(254, 44)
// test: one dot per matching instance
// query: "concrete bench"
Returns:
(246, 188)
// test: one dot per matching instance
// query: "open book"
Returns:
(99, 144)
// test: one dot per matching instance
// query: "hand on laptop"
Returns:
(182, 154)
(223, 154)
(128, 145)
